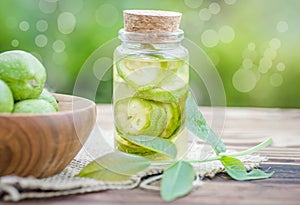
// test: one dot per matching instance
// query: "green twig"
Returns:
(218, 157)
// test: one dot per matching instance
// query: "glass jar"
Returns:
(150, 81)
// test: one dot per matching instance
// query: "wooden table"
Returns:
(243, 128)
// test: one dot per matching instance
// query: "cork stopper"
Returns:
(151, 21)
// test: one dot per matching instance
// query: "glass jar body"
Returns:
(150, 82)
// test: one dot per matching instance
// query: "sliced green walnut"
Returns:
(137, 72)
(124, 145)
(122, 90)
(150, 70)
(173, 119)
(173, 65)
(136, 116)
(170, 90)
(168, 64)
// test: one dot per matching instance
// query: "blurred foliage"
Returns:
(253, 44)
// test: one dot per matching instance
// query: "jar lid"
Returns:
(151, 21)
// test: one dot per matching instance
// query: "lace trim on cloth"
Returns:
(13, 188)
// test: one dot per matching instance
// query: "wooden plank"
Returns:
(213, 192)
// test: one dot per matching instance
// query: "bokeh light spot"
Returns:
(282, 26)
(270, 53)
(244, 80)
(257, 74)
(210, 38)
(230, 2)
(280, 66)
(264, 65)
(275, 43)
(226, 34)
(247, 63)
(100, 66)
(107, 15)
(66, 22)
(193, 3)
(214, 8)
(48, 6)
(24, 26)
(251, 46)
(204, 14)
(15, 43)
(276, 80)
(42, 25)
(41, 40)
(58, 46)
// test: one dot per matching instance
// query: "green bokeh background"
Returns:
(254, 44)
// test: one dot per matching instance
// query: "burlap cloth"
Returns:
(13, 188)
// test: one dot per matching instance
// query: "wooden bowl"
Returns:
(42, 145)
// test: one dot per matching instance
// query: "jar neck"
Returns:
(150, 46)
(151, 40)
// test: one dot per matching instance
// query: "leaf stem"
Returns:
(205, 160)
(218, 157)
(251, 150)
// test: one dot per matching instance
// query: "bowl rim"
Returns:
(91, 105)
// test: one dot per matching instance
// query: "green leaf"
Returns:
(156, 144)
(236, 169)
(177, 180)
(115, 166)
(198, 126)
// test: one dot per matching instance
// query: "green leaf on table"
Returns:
(236, 170)
(156, 144)
(198, 126)
(177, 180)
(115, 166)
